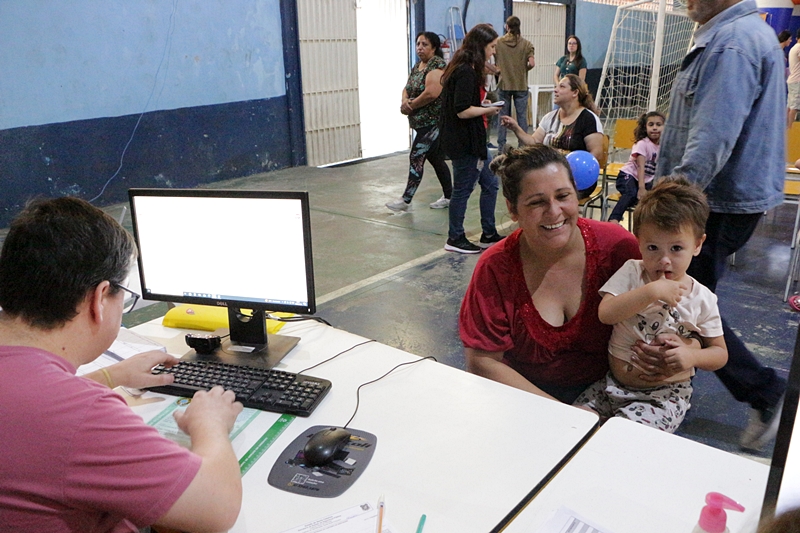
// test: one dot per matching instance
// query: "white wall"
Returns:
(382, 73)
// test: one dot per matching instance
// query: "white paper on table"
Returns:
(165, 423)
(127, 344)
(568, 521)
(357, 519)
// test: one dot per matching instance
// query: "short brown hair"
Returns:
(673, 204)
(513, 23)
(56, 251)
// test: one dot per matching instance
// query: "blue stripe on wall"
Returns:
(175, 148)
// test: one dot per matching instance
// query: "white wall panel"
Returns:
(543, 25)
(383, 71)
(329, 67)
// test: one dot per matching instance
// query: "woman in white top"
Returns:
(573, 126)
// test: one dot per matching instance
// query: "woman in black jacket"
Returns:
(463, 138)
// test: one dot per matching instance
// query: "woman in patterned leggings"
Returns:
(422, 104)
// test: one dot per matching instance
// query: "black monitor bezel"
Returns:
(230, 193)
(784, 437)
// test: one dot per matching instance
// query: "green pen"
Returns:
(421, 524)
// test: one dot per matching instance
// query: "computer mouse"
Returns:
(322, 447)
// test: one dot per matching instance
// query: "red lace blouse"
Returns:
(498, 315)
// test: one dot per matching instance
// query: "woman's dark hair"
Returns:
(433, 38)
(784, 36)
(641, 126)
(578, 54)
(584, 96)
(472, 51)
(513, 23)
(516, 163)
(55, 253)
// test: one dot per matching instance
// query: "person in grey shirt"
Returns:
(515, 58)
(725, 133)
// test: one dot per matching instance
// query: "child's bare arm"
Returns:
(615, 309)
(640, 163)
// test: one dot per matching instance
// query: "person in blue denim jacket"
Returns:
(725, 133)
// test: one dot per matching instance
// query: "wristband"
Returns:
(108, 377)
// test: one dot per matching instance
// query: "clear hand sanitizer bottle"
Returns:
(713, 517)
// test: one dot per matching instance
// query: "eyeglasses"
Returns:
(130, 304)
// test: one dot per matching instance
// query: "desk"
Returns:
(629, 478)
(461, 449)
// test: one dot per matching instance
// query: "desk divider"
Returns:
(539, 486)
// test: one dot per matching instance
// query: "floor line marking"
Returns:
(392, 271)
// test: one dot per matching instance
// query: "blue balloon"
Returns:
(585, 168)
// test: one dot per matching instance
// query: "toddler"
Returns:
(654, 301)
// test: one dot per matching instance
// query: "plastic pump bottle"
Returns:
(713, 517)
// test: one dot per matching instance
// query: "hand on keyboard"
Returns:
(136, 372)
(268, 390)
(209, 411)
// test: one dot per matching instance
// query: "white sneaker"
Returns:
(397, 205)
(762, 427)
(441, 203)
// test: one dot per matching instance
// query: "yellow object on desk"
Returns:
(209, 318)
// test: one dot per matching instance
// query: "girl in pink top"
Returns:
(636, 176)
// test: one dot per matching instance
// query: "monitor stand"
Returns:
(248, 343)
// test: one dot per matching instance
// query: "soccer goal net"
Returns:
(649, 39)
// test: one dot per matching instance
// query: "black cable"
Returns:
(337, 355)
(358, 390)
(298, 318)
(167, 45)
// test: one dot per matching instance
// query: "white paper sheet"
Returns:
(127, 344)
(357, 519)
(568, 521)
(165, 423)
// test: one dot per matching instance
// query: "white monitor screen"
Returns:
(250, 249)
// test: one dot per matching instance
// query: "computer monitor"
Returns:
(783, 483)
(248, 251)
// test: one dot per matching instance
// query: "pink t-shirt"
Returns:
(649, 150)
(74, 455)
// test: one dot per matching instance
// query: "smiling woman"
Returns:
(529, 317)
(573, 126)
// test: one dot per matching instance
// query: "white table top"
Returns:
(629, 478)
(459, 448)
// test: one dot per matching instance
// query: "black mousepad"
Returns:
(289, 472)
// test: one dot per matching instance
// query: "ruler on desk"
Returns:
(266, 440)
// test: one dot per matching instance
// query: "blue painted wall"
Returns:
(478, 11)
(593, 23)
(206, 77)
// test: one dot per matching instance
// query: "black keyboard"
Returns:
(267, 390)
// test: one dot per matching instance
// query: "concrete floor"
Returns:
(385, 276)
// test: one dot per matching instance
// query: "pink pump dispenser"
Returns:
(713, 518)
